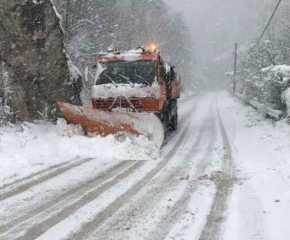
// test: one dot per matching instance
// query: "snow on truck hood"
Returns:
(127, 90)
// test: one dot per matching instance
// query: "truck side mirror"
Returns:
(167, 78)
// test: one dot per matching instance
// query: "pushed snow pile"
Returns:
(41, 145)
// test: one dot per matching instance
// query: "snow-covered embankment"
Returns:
(260, 204)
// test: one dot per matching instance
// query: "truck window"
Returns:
(140, 72)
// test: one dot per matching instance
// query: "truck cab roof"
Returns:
(132, 55)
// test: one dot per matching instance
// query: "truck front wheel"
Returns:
(174, 115)
(174, 122)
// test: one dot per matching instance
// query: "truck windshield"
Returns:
(142, 72)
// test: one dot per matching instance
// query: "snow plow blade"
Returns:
(107, 123)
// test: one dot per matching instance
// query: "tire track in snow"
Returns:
(215, 219)
(43, 220)
(150, 199)
(93, 225)
(77, 191)
(29, 182)
(23, 180)
(183, 120)
(167, 223)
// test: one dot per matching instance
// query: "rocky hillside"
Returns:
(34, 71)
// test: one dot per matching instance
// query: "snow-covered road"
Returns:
(223, 175)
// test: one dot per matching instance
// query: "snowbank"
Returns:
(262, 108)
(259, 205)
(32, 147)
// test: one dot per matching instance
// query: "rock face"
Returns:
(33, 65)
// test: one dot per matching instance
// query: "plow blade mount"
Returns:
(107, 123)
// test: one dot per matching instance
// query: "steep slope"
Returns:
(34, 60)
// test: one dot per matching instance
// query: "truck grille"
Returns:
(111, 103)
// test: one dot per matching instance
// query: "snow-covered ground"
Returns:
(28, 148)
(260, 203)
(223, 175)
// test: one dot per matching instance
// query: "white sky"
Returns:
(216, 25)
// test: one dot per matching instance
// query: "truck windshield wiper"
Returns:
(125, 78)
(142, 78)
(110, 79)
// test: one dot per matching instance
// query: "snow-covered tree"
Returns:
(273, 50)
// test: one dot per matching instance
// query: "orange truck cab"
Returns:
(137, 81)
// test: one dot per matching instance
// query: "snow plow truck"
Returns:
(135, 93)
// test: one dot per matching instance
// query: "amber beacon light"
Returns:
(152, 47)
